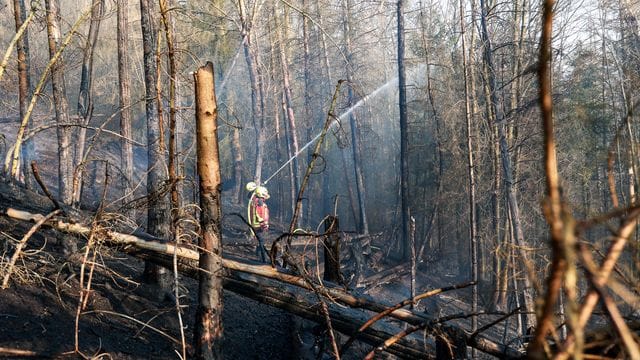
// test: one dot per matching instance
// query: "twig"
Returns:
(323, 304)
(493, 323)
(616, 318)
(36, 174)
(591, 298)
(84, 293)
(397, 306)
(18, 352)
(22, 243)
(392, 340)
(144, 325)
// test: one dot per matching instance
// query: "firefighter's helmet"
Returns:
(251, 186)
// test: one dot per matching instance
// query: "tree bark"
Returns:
(404, 137)
(24, 79)
(158, 216)
(124, 83)
(173, 153)
(208, 331)
(362, 225)
(473, 238)
(257, 88)
(85, 99)
(64, 131)
(292, 132)
(331, 244)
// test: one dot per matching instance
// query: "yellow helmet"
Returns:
(262, 191)
(251, 186)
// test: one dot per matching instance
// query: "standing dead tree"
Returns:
(84, 107)
(61, 104)
(158, 214)
(124, 88)
(208, 331)
(24, 78)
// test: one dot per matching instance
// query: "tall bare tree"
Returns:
(287, 94)
(251, 55)
(158, 215)
(471, 172)
(169, 33)
(24, 77)
(84, 107)
(362, 223)
(124, 87)
(405, 246)
(63, 121)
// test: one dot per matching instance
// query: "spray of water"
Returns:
(342, 116)
(228, 72)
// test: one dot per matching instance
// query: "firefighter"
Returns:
(257, 209)
(258, 215)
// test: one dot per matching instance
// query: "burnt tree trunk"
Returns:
(331, 244)
(405, 248)
(208, 330)
(173, 153)
(158, 217)
(362, 224)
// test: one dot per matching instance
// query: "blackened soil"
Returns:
(123, 318)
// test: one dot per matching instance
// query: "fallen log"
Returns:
(386, 276)
(342, 320)
(274, 292)
(186, 255)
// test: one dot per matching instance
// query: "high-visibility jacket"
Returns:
(258, 212)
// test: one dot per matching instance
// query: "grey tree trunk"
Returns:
(237, 165)
(307, 111)
(472, 178)
(362, 223)
(85, 99)
(124, 87)
(257, 88)
(173, 152)
(208, 328)
(64, 131)
(24, 81)
(158, 216)
(287, 103)
(404, 137)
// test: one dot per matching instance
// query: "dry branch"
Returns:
(133, 243)
(399, 305)
(21, 353)
(23, 241)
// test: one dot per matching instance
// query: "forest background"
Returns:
(451, 140)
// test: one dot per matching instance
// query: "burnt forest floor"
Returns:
(124, 318)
